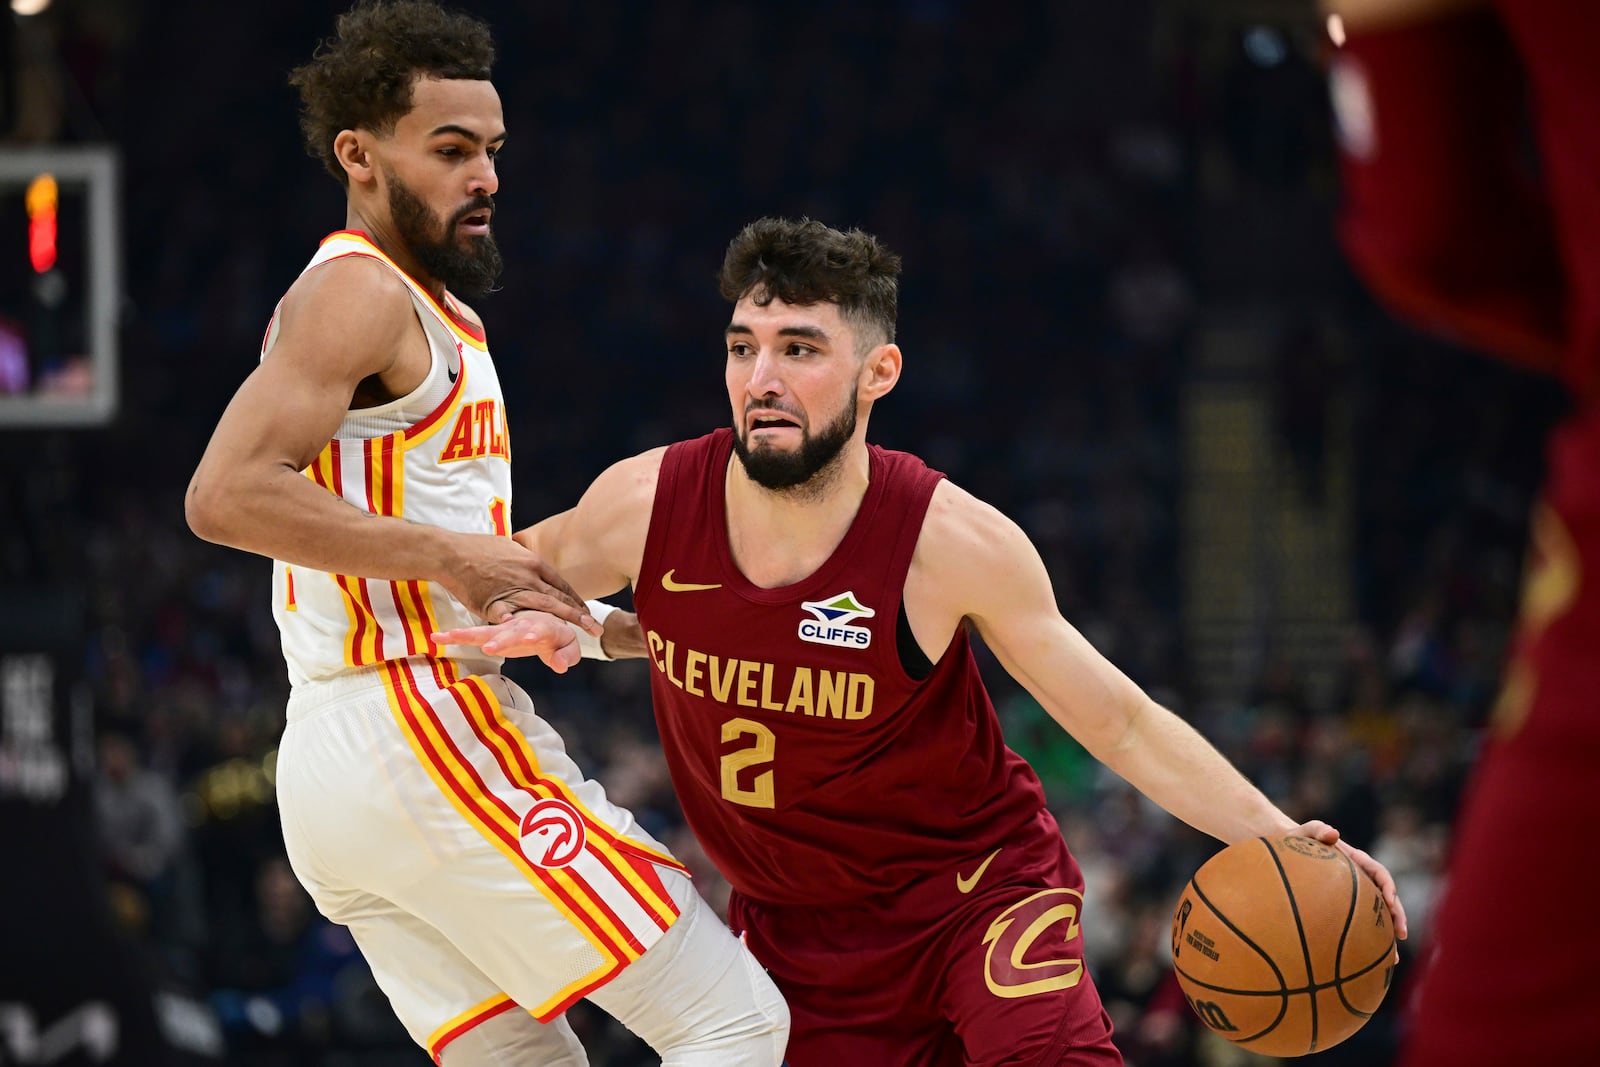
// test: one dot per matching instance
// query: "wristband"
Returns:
(589, 644)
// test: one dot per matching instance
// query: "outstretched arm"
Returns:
(973, 562)
(598, 545)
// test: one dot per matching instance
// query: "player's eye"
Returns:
(739, 350)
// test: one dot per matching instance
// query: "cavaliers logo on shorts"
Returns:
(552, 834)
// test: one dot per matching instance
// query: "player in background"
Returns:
(424, 802)
(807, 602)
(1457, 227)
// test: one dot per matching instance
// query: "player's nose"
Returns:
(765, 379)
(484, 179)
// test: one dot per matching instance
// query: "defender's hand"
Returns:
(496, 577)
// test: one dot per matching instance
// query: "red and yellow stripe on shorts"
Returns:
(609, 891)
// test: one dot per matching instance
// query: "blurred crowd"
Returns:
(1046, 169)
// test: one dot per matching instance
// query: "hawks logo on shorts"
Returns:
(552, 834)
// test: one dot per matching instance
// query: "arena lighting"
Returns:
(29, 7)
(41, 200)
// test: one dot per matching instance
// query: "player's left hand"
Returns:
(526, 633)
(1318, 830)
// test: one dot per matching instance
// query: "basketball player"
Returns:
(807, 600)
(1453, 229)
(424, 802)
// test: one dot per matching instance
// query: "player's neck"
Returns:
(779, 537)
(388, 242)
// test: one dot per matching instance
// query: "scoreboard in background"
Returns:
(60, 285)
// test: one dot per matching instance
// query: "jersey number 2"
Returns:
(761, 748)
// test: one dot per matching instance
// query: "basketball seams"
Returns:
(1283, 1004)
(1277, 973)
(1344, 932)
(1300, 931)
(1243, 880)
(1342, 978)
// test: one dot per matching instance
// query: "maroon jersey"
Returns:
(1444, 221)
(811, 765)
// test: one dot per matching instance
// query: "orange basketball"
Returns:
(1283, 945)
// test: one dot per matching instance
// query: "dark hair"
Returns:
(362, 76)
(807, 262)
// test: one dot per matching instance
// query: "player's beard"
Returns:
(774, 469)
(470, 270)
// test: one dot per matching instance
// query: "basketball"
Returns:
(1283, 945)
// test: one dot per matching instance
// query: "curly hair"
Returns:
(362, 77)
(807, 262)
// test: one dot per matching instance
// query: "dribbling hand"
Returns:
(1318, 830)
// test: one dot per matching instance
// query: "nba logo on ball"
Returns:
(552, 834)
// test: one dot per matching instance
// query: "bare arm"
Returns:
(248, 492)
(973, 562)
(598, 545)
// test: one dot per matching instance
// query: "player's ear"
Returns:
(881, 370)
(350, 148)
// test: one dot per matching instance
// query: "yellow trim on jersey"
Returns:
(368, 248)
(417, 616)
(410, 438)
(321, 469)
(386, 474)
(361, 640)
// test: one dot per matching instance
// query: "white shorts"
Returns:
(442, 821)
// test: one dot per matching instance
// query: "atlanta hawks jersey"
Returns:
(439, 455)
(810, 764)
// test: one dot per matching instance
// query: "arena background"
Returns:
(1126, 322)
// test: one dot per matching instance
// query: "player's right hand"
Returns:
(495, 577)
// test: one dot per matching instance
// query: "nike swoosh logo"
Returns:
(965, 884)
(672, 586)
(453, 373)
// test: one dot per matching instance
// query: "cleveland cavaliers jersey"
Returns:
(810, 764)
(439, 455)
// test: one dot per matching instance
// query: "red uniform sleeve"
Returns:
(1443, 216)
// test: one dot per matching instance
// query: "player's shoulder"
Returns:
(960, 525)
(352, 281)
(636, 474)
(629, 477)
(317, 313)
(955, 507)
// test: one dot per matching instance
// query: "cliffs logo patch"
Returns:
(552, 834)
(831, 624)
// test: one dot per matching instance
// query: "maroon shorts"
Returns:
(1513, 978)
(941, 976)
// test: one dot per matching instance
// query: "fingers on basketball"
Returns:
(1283, 945)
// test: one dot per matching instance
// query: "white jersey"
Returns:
(439, 455)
